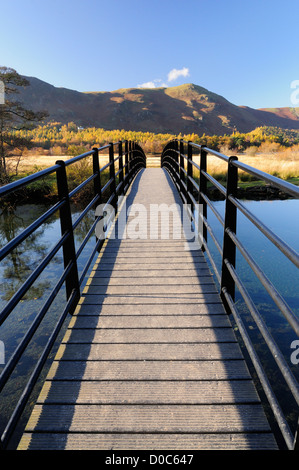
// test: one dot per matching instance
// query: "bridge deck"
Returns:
(150, 360)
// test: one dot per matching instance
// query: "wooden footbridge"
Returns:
(150, 359)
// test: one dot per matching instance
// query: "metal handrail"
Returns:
(116, 186)
(173, 159)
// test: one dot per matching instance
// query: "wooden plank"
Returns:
(108, 441)
(148, 418)
(150, 281)
(214, 308)
(149, 335)
(149, 321)
(150, 299)
(148, 369)
(152, 265)
(148, 392)
(150, 290)
(169, 351)
(141, 273)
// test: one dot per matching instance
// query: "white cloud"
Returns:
(147, 85)
(153, 84)
(174, 74)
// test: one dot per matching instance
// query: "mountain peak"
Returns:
(186, 109)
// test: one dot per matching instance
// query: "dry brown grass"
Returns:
(281, 162)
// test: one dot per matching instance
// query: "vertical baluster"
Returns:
(176, 165)
(296, 440)
(190, 175)
(126, 162)
(69, 252)
(121, 167)
(112, 175)
(182, 163)
(130, 161)
(96, 171)
(203, 191)
(133, 162)
(230, 222)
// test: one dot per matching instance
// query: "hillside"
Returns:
(187, 109)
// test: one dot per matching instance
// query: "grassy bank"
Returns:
(284, 164)
(45, 189)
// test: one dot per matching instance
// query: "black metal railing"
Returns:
(177, 159)
(125, 160)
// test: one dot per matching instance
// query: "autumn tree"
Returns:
(13, 116)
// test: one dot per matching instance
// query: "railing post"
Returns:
(69, 252)
(190, 175)
(121, 167)
(96, 171)
(230, 222)
(126, 162)
(112, 175)
(130, 161)
(182, 161)
(203, 191)
(97, 181)
(296, 439)
(133, 162)
(175, 155)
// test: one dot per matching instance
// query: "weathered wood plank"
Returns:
(142, 273)
(214, 308)
(150, 281)
(149, 369)
(192, 442)
(108, 441)
(204, 351)
(148, 392)
(145, 299)
(150, 290)
(149, 335)
(148, 418)
(149, 321)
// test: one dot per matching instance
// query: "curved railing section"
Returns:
(177, 159)
(126, 159)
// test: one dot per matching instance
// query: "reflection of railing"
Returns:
(177, 158)
(129, 159)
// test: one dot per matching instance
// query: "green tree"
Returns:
(13, 116)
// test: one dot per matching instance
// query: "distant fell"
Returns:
(182, 109)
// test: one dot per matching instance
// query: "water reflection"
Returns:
(282, 218)
(14, 270)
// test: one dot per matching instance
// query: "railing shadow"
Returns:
(72, 365)
(228, 357)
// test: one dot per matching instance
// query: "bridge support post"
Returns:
(69, 252)
(176, 158)
(121, 167)
(203, 192)
(126, 163)
(130, 162)
(96, 171)
(181, 172)
(112, 175)
(230, 223)
(190, 175)
(296, 440)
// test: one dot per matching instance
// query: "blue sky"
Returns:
(246, 51)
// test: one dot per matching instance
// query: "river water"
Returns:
(282, 216)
